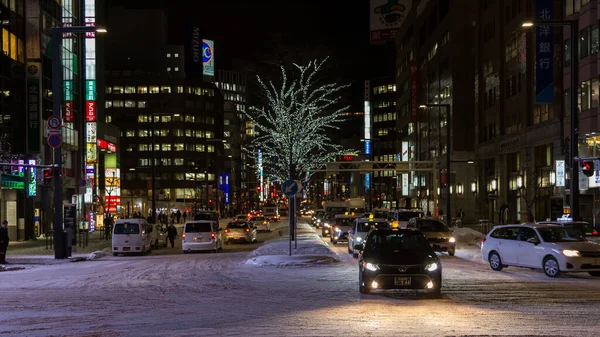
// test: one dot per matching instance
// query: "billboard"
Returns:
(544, 54)
(208, 58)
(192, 48)
(386, 17)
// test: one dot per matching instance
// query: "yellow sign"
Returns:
(90, 154)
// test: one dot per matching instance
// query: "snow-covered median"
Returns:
(311, 250)
(468, 236)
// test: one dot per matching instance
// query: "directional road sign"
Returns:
(54, 122)
(55, 140)
(290, 188)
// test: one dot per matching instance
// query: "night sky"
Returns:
(251, 34)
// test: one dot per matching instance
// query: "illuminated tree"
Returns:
(291, 128)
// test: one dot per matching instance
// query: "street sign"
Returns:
(290, 188)
(54, 122)
(55, 140)
(596, 166)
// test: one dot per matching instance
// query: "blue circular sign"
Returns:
(55, 140)
(207, 53)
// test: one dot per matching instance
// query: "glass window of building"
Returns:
(211, 148)
(210, 106)
(108, 104)
(226, 146)
(594, 42)
(178, 176)
(142, 118)
(210, 134)
(226, 122)
(190, 118)
(189, 104)
(176, 55)
(117, 89)
(584, 45)
(166, 118)
(178, 133)
(165, 161)
(200, 148)
(584, 95)
(198, 91)
(108, 90)
(178, 146)
(200, 133)
(130, 104)
(130, 90)
(189, 90)
(141, 104)
(168, 68)
(165, 89)
(211, 176)
(108, 118)
(168, 55)
(143, 162)
(200, 176)
(166, 147)
(189, 133)
(176, 69)
(177, 118)
(594, 93)
(129, 148)
(142, 133)
(154, 89)
(143, 147)
(156, 147)
(178, 162)
(190, 176)
(130, 133)
(118, 104)
(180, 89)
(142, 89)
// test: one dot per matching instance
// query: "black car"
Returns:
(398, 259)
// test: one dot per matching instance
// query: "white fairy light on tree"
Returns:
(292, 126)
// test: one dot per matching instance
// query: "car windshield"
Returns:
(559, 234)
(580, 228)
(197, 227)
(381, 215)
(127, 228)
(432, 226)
(242, 217)
(237, 225)
(405, 216)
(344, 222)
(367, 226)
(205, 216)
(259, 218)
(397, 242)
(337, 210)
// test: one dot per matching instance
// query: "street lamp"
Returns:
(574, 135)
(57, 34)
(448, 147)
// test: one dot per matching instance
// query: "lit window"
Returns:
(117, 89)
(108, 104)
(130, 104)
(180, 89)
(165, 119)
(176, 55)
(142, 133)
(130, 133)
(154, 89)
(178, 161)
(142, 90)
(168, 55)
(200, 148)
(108, 118)
(178, 146)
(141, 104)
(227, 134)
(168, 68)
(176, 68)
(143, 118)
(143, 147)
(210, 134)
(226, 122)
(130, 90)
(211, 148)
(177, 118)
(118, 104)
(165, 89)
(166, 147)
(226, 146)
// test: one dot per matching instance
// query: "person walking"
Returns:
(171, 234)
(184, 216)
(3, 241)
(178, 215)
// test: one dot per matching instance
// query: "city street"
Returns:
(219, 294)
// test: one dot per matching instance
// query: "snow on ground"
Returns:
(468, 236)
(310, 249)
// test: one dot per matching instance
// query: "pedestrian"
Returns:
(184, 216)
(460, 214)
(171, 234)
(3, 241)
(178, 215)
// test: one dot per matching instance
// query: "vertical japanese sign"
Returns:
(560, 173)
(208, 59)
(544, 54)
(33, 107)
(414, 91)
(32, 183)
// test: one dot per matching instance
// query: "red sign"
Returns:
(414, 91)
(112, 147)
(90, 111)
(102, 144)
(90, 22)
(384, 35)
(68, 112)
(112, 208)
(113, 200)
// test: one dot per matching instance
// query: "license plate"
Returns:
(402, 281)
(236, 237)
(125, 249)
(197, 239)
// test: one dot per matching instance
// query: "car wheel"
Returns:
(594, 273)
(495, 261)
(550, 266)
(451, 252)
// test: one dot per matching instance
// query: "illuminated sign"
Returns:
(208, 60)
(112, 147)
(102, 144)
(90, 111)
(67, 111)
(32, 188)
(68, 93)
(91, 132)
(560, 173)
(90, 154)
(90, 90)
(12, 182)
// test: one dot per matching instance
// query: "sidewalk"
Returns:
(311, 250)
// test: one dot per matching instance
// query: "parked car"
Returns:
(437, 233)
(201, 235)
(398, 259)
(131, 236)
(552, 248)
(360, 229)
(261, 223)
(240, 231)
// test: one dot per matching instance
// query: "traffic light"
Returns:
(48, 174)
(587, 166)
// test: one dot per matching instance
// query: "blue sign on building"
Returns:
(544, 54)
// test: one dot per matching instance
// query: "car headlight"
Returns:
(370, 266)
(452, 240)
(337, 229)
(431, 267)
(318, 220)
(570, 253)
(358, 239)
(326, 224)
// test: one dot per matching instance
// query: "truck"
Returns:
(271, 212)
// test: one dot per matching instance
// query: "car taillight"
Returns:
(227, 230)
(594, 232)
(247, 230)
(183, 236)
(264, 222)
(482, 240)
(213, 235)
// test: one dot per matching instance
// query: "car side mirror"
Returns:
(534, 240)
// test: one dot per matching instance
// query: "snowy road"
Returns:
(219, 295)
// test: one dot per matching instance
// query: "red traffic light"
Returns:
(587, 166)
(47, 174)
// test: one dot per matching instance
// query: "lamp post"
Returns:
(574, 134)
(448, 148)
(57, 33)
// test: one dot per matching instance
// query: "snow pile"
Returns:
(468, 236)
(96, 255)
(311, 250)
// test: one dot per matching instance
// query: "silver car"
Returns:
(240, 231)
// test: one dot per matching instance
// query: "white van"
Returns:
(201, 235)
(131, 236)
